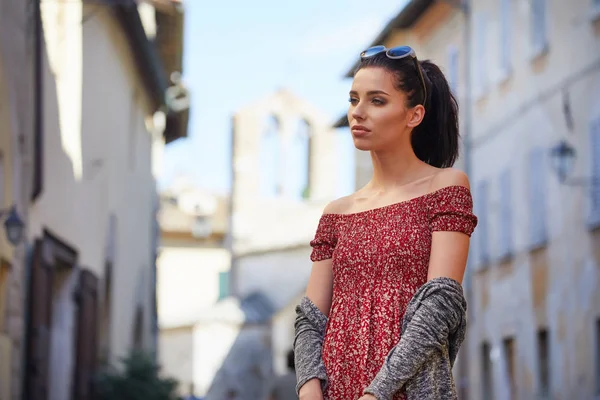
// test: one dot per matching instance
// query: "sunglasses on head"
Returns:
(397, 53)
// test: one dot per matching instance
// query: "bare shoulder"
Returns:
(449, 177)
(338, 206)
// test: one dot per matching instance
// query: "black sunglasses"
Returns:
(397, 53)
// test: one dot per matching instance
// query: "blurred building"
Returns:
(284, 173)
(535, 326)
(193, 265)
(16, 138)
(93, 97)
(529, 78)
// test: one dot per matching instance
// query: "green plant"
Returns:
(139, 379)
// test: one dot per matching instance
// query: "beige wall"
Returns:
(188, 282)
(556, 287)
(194, 354)
(176, 350)
(98, 157)
(279, 274)
(283, 334)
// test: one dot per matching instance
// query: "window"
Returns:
(487, 383)
(133, 133)
(223, 284)
(505, 37)
(543, 363)
(511, 366)
(106, 312)
(594, 217)
(506, 224)
(4, 274)
(537, 198)
(2, 183)
(202, 227)
(595, 10)
(138, 329)
(481, 205)
(453, 72)
(539, 40)
(269, 158)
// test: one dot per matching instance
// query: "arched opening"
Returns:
(300, 161)
(269, 158)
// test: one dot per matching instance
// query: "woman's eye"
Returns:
(353, 100)
(377, 101)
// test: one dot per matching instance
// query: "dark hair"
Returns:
(290, 360)
(435, 140)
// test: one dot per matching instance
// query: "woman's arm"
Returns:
(320, 285)
(312, 314)
(319, 292)
(449, 250)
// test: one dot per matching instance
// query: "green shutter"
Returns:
(223, 284)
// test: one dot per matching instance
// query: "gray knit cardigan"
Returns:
(433, 329)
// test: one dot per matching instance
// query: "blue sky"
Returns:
(237, 52)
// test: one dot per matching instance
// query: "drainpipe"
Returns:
(37, 100)
(229, 237)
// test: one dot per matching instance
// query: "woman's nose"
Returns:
(358, 112)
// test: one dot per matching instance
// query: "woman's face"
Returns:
(378, 116)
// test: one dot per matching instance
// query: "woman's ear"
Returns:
(415, 115)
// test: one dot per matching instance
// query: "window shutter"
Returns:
(537, 199)
(594, 219)
(39, 324)
(87, 338)
(506, 218)
(480, 59)
(453, 69)
(538, 24)
(505, 60)
(481, 206)
(223, 284)
(2, 180)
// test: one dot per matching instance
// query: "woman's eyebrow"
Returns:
(370, 92)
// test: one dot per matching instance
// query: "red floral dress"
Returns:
(380, 258)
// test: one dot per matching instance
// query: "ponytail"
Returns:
(435, 140)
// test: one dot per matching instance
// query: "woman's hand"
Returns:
(311, 390)
(368, 397)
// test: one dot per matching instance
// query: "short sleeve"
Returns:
(325, 238)
(451, 209)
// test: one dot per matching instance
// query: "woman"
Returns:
(383, 314)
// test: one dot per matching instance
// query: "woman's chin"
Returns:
(362, 144)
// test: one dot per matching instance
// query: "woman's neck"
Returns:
(392, 169)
